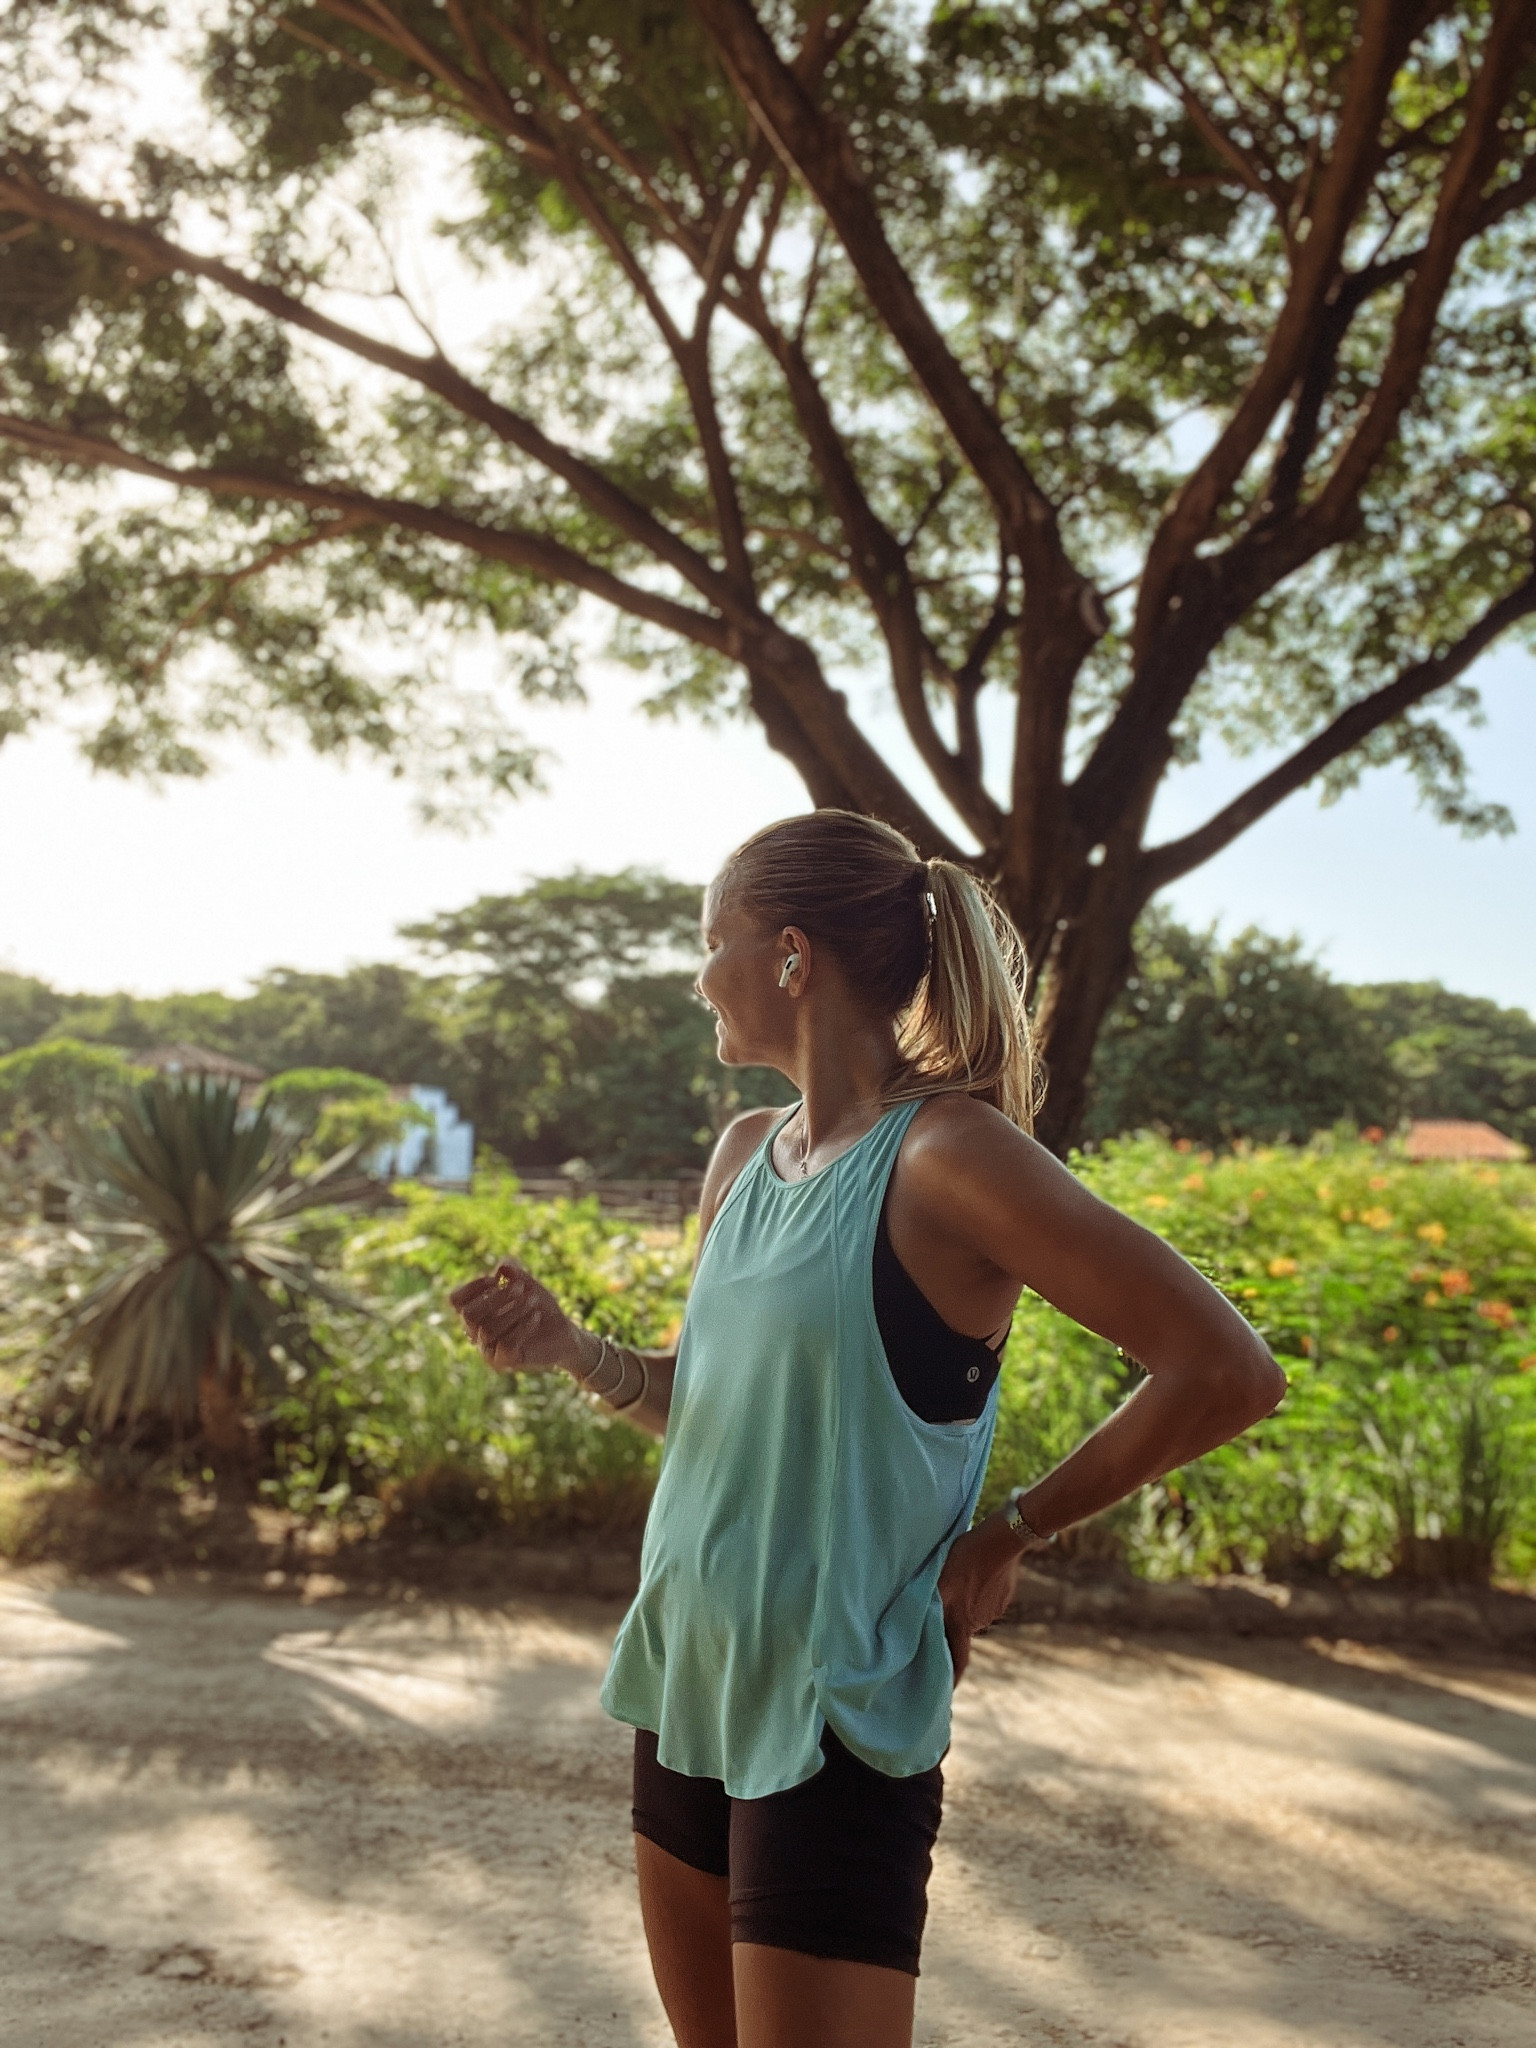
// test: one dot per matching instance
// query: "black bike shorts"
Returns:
(835, 1867)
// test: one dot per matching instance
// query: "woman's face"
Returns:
(740, 982)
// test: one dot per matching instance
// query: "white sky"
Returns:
(294, 862)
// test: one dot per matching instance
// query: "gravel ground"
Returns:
(234, 1819)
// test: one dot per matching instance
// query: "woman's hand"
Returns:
(977, 1584)
(518, 1324)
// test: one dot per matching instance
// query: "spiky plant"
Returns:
(190, 1202)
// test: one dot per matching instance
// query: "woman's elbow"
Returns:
(1254, 1385)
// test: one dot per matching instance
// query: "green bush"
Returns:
(1401, 1301)
(403, 1409)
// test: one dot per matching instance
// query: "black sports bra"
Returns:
(941, 1374)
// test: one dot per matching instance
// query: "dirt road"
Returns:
(252, 1820)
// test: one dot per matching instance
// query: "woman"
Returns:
(810, 1581)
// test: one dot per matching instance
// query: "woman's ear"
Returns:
(795, 964)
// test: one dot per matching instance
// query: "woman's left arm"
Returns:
(1007, 1204)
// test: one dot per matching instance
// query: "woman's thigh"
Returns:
(687, 1916)
(788, 2000)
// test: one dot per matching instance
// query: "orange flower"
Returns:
(1182, 1144)
(1380, 1181)
(1281, 1269)
(1528, 1364)
(1192, 1183)
(1373, 1134)
(1390, 1334)
(1377, 1219)
(1258, 1194)
(1432, 1233)
(1308, 1346)
(1498, 1312)
(1346, 1215)
(1454, 1281)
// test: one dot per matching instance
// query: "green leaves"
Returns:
(189, 1202)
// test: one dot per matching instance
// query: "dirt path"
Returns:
(242, 1820)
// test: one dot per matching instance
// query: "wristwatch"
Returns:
(1025, 1531)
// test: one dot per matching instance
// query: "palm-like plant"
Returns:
(190, 1202)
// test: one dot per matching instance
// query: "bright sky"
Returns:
(293, 862)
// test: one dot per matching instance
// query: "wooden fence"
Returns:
(662, 1202)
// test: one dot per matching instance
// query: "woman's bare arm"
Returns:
(998, 1207)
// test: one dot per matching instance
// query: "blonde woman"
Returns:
(810, 1579)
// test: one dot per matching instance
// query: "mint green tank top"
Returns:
(789, 1571)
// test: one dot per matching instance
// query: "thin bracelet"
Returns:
(606, 1397)
(586, 1379)
(623, 1407)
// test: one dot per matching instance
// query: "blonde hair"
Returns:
(924, 942)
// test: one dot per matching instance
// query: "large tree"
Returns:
(1102, 377)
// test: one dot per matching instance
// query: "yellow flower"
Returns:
(1378, 1219)
(1432, 1233)
(1325, 1191)
(1157, 1201)
(1192, 1183)
(1498, 1312)
(1432, 1299)
(1454, 1281)
(1346, 1215)
(1280, 1269)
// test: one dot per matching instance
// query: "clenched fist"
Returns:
(518, 1324)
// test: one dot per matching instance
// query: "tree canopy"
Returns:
(1106, 378)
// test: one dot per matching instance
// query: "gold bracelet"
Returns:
(1014, 1515)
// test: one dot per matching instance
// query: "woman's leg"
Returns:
(788, 2000)
(687, 1919)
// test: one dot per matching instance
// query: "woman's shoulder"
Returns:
(955, 1139)
(733, 1148)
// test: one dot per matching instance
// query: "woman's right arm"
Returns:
(520, 1327)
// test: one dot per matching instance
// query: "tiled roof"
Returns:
(1448, 1139)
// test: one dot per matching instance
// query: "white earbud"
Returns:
(788, 969)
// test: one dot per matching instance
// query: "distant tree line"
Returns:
(561, 1020)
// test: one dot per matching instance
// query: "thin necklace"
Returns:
(805, 1146)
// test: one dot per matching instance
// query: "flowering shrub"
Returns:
(1400, 1299)
(402, 1410)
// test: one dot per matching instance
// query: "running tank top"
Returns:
(803, 1512)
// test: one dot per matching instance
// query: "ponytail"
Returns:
(967, 1031)
(923, 941)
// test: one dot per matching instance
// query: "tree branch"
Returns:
(1386, 32)
(879, 566)
(537, 553)
(21, 193)
(1459, 213)
(222, 582)
(1160, 865)
(818, 148)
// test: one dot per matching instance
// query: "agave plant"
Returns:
(190, 1201)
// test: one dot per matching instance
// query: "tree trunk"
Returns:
(225, 1429)
(1086, 968)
